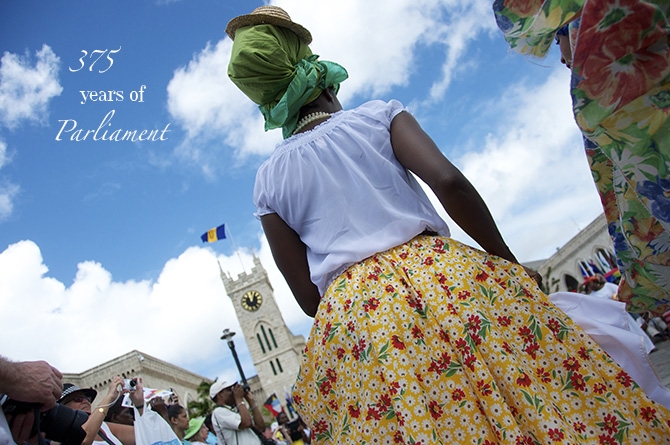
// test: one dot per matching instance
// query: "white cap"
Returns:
(218, 386)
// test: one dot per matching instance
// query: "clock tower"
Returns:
(275, 351)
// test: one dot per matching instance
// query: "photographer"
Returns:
(34, 382)
(98, 432)
(233, 420)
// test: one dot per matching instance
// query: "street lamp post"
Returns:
(228, 337)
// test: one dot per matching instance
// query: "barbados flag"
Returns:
(214, 234)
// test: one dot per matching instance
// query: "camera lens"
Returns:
(63, 424)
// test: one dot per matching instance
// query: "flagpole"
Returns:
(235, 247)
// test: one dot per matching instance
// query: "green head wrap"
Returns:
(277, 71)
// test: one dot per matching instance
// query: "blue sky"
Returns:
(100, 249)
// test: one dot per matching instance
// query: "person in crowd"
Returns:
(26, 381)
(269, 435)
(178, 419)
(97, 430)
(620, 63)
(233, 419)
(211, 435)
(117, 413)
(197, 431)
(417, 337)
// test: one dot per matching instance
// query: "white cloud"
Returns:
(8, 190)
(374, 40)
(178, 317)
(25, 90)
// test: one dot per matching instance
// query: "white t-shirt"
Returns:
(226, 421)
(608, 290)
(341, 188)
(104, 427)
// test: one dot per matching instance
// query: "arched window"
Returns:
(571, 283)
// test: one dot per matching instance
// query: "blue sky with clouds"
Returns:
(100, 249)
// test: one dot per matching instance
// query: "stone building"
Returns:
(588, 252)
(155, 373)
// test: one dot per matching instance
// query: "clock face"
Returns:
(252, 300)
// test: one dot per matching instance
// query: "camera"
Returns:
(59, 424)
(129, 384)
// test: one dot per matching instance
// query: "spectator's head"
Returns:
(178, 418)
(197, 430)
(282, 418)
(221, 392)
(77, 398)
(267, 432)
(118, 413)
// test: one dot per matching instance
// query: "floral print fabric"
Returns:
(621, 100)
(434, 342)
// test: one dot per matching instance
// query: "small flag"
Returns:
(214, 234)
(273, 405)
(289, 406)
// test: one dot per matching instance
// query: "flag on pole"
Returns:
(214, 234)
(273, 405)
(289, 405)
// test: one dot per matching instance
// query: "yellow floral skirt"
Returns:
(434, 342)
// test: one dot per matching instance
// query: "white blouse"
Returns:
(341, 188)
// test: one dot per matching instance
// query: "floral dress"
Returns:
(434, 342)
(621, 100)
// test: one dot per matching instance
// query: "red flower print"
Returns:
(373, 413)
(435, 410)
(340, 353)
(428, 261)
(648, 413)
(532, 349)
(523, 380)
(554, 326)
(320, 427)
(389, 288)
(490, 265)
(464, 295)
(481, 276)
(439, 243)
(470, 361)
(403, 255)
(555, 434)
(584, 353)
(623, 378)
(507, 347)
(440, 365)
(371, 304)
(599, 388)
(543, 375)
(462, 345)
(397, 437)
(373, 277)
(524, 440)
(444, 336)
(394, 387)
(571, 364)
(354, 412)
(347, 305)
(579, 427)
(484, 388)
(504, 320)
(526, 334)
(474, 323)
(401, 418)
(476, 339)
(351, 327)
(333, 405)
(397, 343)
(331, 375)
(452, 309)
(414, 303)
(441, 278)
(417, 333)
(385, 401)
(604, 439)
(325, 387)
(610, 424)
(458, 395)
(577, 381)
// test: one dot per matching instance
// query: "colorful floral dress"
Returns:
(621, 100)
(434, 342)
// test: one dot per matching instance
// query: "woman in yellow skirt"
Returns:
(417, 338)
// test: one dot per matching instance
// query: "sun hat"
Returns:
(218, 386)
(194, 426)
(69, 388)
(268, 15)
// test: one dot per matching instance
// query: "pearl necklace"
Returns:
(311, 117)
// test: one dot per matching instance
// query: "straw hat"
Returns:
(270, 15)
